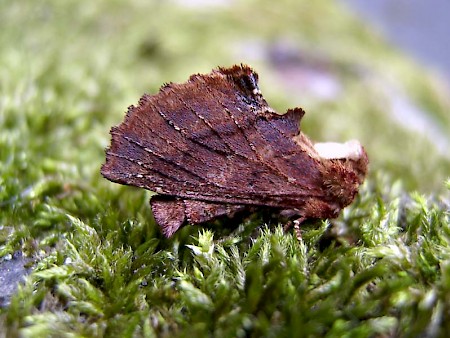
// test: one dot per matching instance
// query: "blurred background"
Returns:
(419, 28)
(377, 72)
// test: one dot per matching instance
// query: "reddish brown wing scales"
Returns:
(171, 213)
(220, 146)
(212, 146)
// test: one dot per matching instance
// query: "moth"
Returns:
(212, 146)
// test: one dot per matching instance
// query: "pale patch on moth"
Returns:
(333, 150)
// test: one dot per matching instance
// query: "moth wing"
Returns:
(171, 213)
(213, 139)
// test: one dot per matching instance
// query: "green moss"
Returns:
(102, 268)
(386, 275)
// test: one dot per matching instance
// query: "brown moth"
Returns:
(212, 146)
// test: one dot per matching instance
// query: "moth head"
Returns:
(344, 168)
(351, 152)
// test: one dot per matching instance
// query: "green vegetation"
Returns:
(101, 268)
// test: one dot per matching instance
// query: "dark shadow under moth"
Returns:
(212, 147)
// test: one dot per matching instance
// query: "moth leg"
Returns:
(296, 225)
(169, 213)
(287, 226)
(298, 234)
